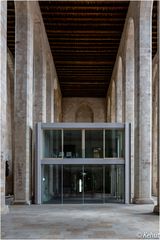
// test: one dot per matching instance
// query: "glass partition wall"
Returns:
(82, 163)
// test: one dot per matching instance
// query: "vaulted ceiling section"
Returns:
(84, 37)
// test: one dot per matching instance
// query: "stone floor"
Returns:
(108, 221)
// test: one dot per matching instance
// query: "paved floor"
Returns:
(108, 221)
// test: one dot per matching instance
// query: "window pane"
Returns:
(51, 184)
(72, 143)
(94, 143)
(52, 144)
(114, 183)
(93, 183)
(72, 184)
(114, 143)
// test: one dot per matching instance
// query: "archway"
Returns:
(84, 114)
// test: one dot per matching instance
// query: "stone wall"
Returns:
(71, 107)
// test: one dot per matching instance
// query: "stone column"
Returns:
(113, 102)
(39, 110)
(143, 103)
(108, 109)
(129, 92)
(3, 98)
(22, 102)
(49, 91)
(119, 92)
(39, 85)
(154, 126)
(156, 208)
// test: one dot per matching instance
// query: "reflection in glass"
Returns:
(114, 183)
(94, 143)
(93, 184)
(114, 144)
(51, 184)
(72, 143)
(82, 183)
(52, 147)
(72, 184)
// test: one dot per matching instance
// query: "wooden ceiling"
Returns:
(84, 37)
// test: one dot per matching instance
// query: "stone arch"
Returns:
(119, 87)
(129, 90)
(84, 114)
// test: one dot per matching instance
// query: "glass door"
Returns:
(93, 184)
(72, 184)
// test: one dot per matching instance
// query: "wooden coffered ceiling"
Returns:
(84, 37)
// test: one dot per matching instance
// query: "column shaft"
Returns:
(156, 208)
(143, 105)
(3, 98)
(21, 111)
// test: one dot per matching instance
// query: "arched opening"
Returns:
(119, 85)
(84, 114)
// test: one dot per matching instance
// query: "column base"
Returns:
(21, 202)
(156, 209)
(142, 201)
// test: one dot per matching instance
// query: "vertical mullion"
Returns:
(83, 184)
(61, 183)
(104, 143)
(62, 140)
(83, 143)
(103, 183)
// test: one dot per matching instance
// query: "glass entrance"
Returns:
(93, 184)
(72, 184)
(82, 183)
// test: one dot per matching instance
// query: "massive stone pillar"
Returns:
(108, 109)
(154, 124)
(129, 92)
(39, 86)
(40, 75)
(113, 102)
(156, 208)
(49, 95)
(143, 102)
(119, 111)
(3, 98)
(23, 96)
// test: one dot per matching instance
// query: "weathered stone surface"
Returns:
(3, 100)
(71, 105)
